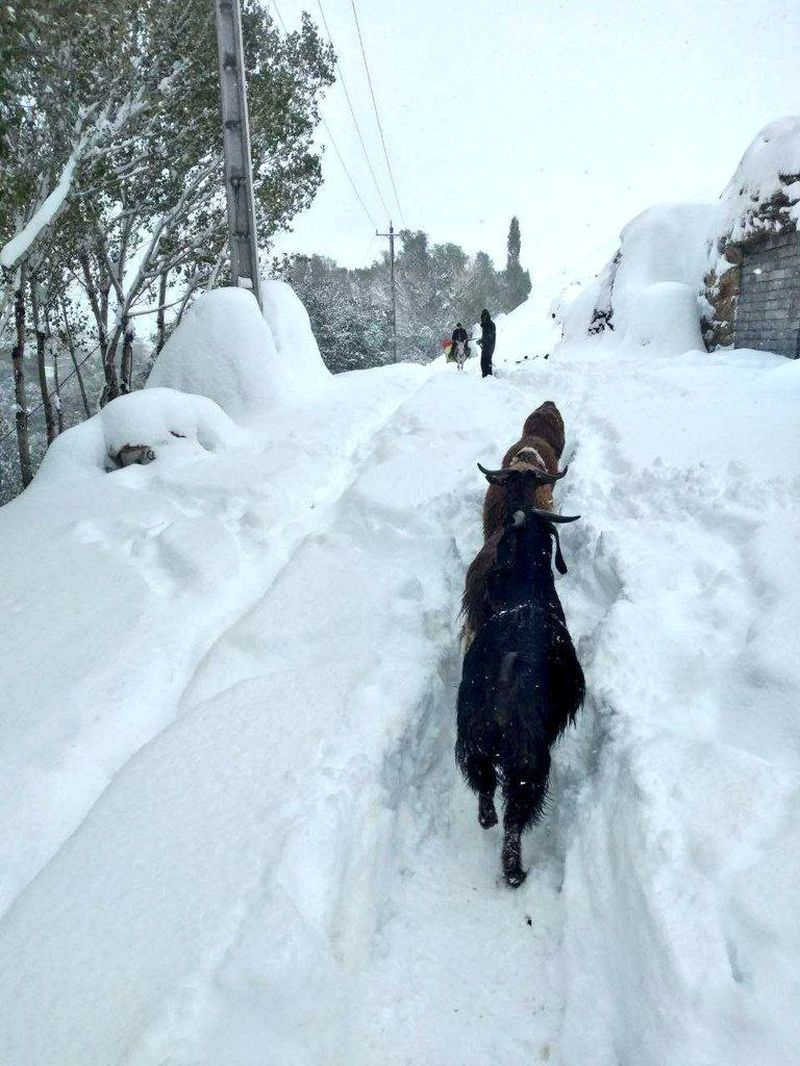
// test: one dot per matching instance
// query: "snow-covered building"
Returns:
(716, 275)
(753, 288)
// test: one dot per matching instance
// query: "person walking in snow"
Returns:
(487, 339)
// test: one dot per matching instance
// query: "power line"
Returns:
(349, 176)
(352, 111)
(280, 16)
(333, 142)
(375, 105)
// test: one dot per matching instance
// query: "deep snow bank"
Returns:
(246, 362)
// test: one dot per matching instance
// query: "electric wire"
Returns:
(353, 113)
(333, 142)
(377, 116)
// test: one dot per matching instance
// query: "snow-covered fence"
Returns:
(768, 311)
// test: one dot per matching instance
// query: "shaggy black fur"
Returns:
(521, 684)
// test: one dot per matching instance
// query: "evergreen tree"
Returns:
(516, 285)
(514, 243)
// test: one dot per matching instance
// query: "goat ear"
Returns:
(561, 566)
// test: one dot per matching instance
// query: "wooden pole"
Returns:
(390, 235)
(236, 147)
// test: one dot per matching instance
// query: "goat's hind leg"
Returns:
(525, 792)
(487, 812)
(481, 778)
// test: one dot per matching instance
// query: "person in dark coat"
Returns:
(487, 339)
(460, 334)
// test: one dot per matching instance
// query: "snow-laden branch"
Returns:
(21, 243)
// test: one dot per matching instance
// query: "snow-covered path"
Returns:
(278, 864)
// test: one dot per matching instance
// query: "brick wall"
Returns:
(768, 308)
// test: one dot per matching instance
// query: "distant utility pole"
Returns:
(390, 235)
(236, 147)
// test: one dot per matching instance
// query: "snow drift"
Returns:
(160, 418)
(649, 293)
(246, 362)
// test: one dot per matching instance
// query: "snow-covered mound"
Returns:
(244, 361)
(690, 249)
(158, 418)
(300, 361)
(532, 330)
(649, 293)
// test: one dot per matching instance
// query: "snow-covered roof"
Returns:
(764, 193)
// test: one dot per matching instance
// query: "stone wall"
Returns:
(768, 307)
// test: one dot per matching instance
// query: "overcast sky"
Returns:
(573, 115)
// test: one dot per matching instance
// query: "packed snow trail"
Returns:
(290, 870)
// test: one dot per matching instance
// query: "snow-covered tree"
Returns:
(111, 184)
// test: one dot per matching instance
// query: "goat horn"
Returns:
(544, 477)
(503, 472)
(551, 516)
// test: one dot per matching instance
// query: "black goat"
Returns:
(521, 684)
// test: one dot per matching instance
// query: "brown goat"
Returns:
(475, 607)
(546, 422)
(539, 450)
(529, 453)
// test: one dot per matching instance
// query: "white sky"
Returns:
(574, 116)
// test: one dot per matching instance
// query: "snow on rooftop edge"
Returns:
(768, 170)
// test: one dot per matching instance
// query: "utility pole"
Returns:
(390, 235)
(236, 147)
